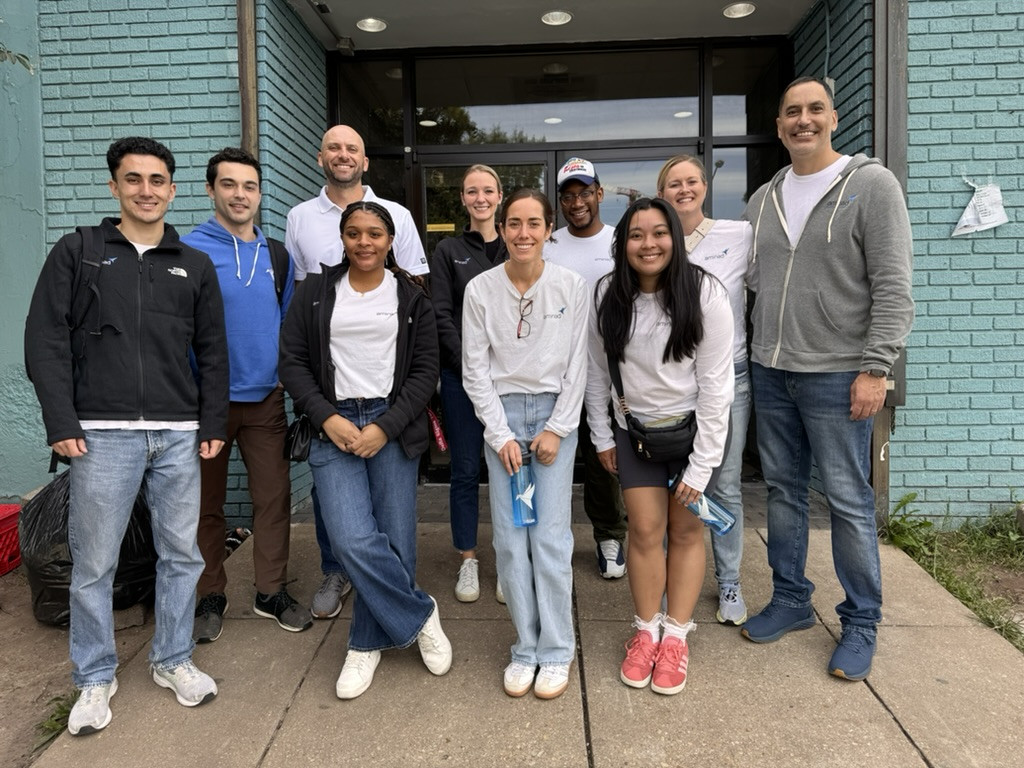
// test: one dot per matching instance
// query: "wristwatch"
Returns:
(878, 373)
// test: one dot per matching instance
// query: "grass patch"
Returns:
(52, 727)
(959, 559)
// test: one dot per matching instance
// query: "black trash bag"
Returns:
(43, 532)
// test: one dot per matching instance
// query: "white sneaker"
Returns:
(191, 687)
(611, 560)
(356, 673)
(498, 594)
(552, 680)
(519, 678)
(91, 712)
(435, 648)
(467, 589)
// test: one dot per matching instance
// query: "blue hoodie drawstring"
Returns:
(238, 262)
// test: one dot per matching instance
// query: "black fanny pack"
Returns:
(655, 444)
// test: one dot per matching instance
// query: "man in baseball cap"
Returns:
(585, 246)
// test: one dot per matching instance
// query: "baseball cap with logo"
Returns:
(577, 169)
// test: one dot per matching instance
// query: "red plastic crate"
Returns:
(10, 554)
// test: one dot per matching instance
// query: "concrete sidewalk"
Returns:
(944, 691)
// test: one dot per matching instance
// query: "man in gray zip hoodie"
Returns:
(831, 267)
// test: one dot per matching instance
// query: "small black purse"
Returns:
(655, 444)
(298, 438)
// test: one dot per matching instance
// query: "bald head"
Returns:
(342, 155)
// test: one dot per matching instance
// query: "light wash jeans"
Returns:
(104, 484)
(805, 414)
(369, 512)
(728, 549)
(535, 563)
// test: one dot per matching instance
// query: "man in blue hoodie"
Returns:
(254, 307)
(831, 266)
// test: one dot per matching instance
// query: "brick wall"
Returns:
(110, 68)
(292, 119)
(959, 443)
(848, 46)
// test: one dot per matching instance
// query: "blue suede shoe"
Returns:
(776, 620)
(852, 657)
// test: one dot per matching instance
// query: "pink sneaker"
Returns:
(670, 668)
(641, 651)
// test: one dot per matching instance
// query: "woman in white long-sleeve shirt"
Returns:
(669, 325)
(524, 367)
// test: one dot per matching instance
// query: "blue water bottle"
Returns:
(523, 507)
(716, 517)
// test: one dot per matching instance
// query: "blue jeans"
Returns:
(535, 563)
(369, 511)
(465, 441)
(328, 562)
(728, 549)
(805, 414)
(104, 484)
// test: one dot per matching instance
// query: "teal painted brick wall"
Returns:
(959, 443)
(112, 68)
(849, 49)
(291, 69)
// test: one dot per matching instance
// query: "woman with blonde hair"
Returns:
(456, 261)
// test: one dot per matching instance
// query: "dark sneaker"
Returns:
(209, 617)
(330, 596)
(852, 657)
(284, 609)
(775, 621)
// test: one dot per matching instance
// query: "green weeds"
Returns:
(960, 559)
(52, 727)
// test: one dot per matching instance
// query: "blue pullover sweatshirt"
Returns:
(252, 315)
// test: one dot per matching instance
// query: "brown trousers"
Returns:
(259, 429)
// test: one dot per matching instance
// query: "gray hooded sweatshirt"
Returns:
(841, 299)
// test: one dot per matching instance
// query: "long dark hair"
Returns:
(679, 287)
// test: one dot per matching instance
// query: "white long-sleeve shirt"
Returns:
(551, 358)
(654, 390)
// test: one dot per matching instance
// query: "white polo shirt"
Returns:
(313, 235)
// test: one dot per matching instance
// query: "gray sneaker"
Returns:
(209, 621)
(731, 608)
(330, 596)
(284, 609)
(191, 687)
(91, 712)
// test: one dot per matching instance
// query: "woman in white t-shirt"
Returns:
(669, 325)
(524, 366)
(722, 247)
(359, 357)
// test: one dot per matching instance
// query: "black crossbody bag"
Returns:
(655, 444)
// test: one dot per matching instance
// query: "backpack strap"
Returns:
(85, 288)
(279, 259)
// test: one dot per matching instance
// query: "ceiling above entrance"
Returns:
(457, 23)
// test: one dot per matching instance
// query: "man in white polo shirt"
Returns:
(313, 238)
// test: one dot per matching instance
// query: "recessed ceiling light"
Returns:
(555, 68)
(428, 123)
(556, 18)
(684, 113)
(738, 10)
(395, 73)
(371, 24)
(552, 120)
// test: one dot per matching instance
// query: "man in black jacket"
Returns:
(121, 403)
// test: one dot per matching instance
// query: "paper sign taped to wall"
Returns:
(985, 210)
